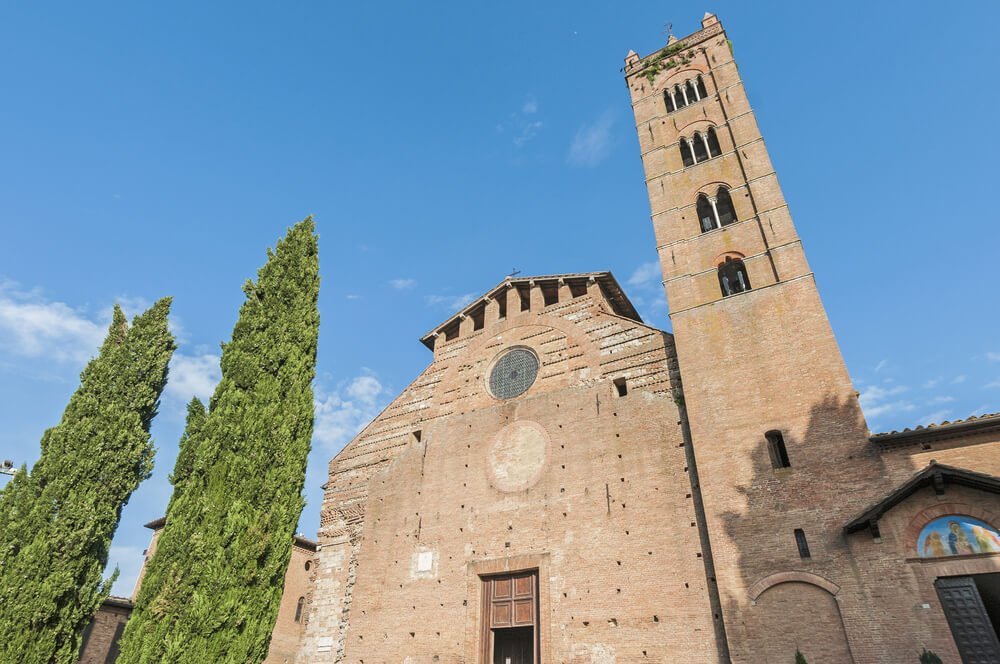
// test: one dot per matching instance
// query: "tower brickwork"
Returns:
(784, 456)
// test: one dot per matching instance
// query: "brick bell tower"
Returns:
(774, 417)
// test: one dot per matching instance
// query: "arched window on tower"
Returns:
(700, 148)
(680, 96)
(700, 84)
(298, 609)
(692, 91)
(724, 207)
(714, 149)
(686, 157)
(669, 100)
(706, 215)
(733, 277)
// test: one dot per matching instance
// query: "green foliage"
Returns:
(57, 521)
(196, 416)
(212, 589)
(662, 61)
(799, 657)
(929, 657)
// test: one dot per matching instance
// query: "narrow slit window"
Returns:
(416, 436)
(776, 448)
(802, 544)
(621, 387)
(502, 305)
(701, 87)
(733, 277)
(298, 609)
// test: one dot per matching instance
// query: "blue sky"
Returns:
(158, 149)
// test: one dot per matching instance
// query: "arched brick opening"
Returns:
(792, 614)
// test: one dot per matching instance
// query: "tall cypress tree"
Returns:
(57, 520)
(213, 587)
(196, 415)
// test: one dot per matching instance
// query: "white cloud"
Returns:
(936, 417)
(930, 384)
(592, 143)
(31, 326)
(958, 379)
(529, 107)
(645, 274)
(450, 302)
(342, 412)
(128, 559)
(993, 357)
(995, 383)
(353, 297)
(528, 132)
(881, 365)
(193, 376)
(940, 399)
(402, 284)
(875, 401)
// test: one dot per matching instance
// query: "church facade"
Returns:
(564, 483)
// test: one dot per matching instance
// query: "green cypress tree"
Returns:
(196, 415)
(213, 587)
(57, 521)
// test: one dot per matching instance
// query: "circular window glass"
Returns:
(513, 373)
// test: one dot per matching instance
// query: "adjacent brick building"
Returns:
(100, 640)
(564, 483)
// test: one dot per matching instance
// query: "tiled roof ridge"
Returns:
(938, 425)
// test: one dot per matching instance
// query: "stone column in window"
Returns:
(673, 100)
(715, 211)
(684, 93)
(690, 144)
(694, 88)
(708, 149)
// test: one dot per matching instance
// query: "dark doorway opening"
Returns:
(510, 619)
(972, 606)
(514, 645)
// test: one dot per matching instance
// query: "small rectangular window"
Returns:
(451, 332)
(776, 448)
(479, 318)
(621, 387)
(550, 294)
(502, 302)
(800, 541)
(578, 288)
(524, 293)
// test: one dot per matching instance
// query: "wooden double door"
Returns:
(510, 619)
(968, 602)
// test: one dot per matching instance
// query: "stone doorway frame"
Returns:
(475, 612)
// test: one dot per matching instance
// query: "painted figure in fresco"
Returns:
(934, 547)
(988, 541)
(958, 541)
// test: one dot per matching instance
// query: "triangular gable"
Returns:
(937, 475)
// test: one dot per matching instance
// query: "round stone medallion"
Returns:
(518, 456)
